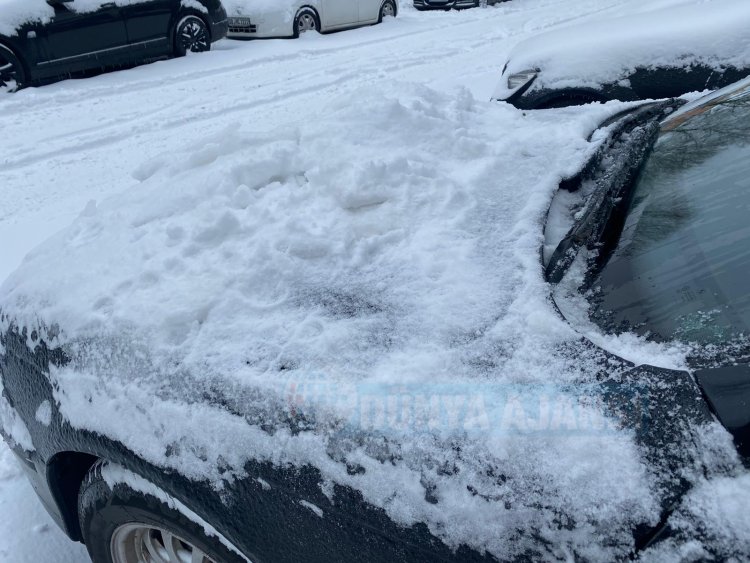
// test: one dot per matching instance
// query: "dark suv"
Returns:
(63, 38)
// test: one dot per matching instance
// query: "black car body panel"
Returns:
(113, 36)
(728, 391)
(643, 84)
(267, 523)
(261, 513)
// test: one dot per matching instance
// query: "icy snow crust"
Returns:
(710, 32)
(15, 13)
(393, 249)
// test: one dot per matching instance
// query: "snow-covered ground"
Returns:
(71, 144)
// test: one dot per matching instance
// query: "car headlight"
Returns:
(518, 79)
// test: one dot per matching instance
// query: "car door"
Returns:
(81, 37)
(339, 13)
(369, 10)
(147, 23)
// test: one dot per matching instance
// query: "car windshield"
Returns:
(681, 269)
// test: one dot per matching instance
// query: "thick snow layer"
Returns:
(367, 252)
(710, 32)
(309, 226)
(712, 524)
(14, 13)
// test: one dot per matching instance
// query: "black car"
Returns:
(630, 58)
(451, 4)
(660, 220)
(68, 40)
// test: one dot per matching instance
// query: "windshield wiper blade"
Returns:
(600, 226)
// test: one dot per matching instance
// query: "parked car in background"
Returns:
(46, 40)
(651, 55)
(250, 19)
(451, 4)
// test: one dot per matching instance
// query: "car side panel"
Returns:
(260, 513)
(148, 22)
(369, 10)
(338, 13)
(80, 41)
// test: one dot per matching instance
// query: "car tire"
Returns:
(120, 525)
(388, 10)
(306, 20)
(12, 72)
(191, 35)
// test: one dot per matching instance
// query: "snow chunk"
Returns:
(44, 413)
(712, 523)
(318, 511)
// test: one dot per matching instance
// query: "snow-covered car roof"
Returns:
(358, 270)
(15, 13)
(710, 32)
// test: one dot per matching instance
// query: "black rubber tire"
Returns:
(301, 13)
(101, 510)
(195, 26)
(382, 7)
(19, 71)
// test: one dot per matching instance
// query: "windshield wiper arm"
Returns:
(604, 216)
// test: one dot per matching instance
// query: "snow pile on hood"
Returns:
(711, 32)
(296, 296)
(15, 13)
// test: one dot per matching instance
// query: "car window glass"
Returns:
(682, 266)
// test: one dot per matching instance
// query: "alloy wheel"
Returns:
(193, 36)
(9, 74)
(142, 543)
(306, 22)
(388, 10)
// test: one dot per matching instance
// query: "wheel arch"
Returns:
(65, 474)
(182, 13)
(395, 6)
(310, 8)
(7, 44)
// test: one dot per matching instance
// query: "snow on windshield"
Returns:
(712, 32)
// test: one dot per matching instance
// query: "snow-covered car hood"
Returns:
(374, 277)
(710, 32)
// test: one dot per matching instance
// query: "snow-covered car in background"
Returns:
(199, 370)
(289, 18)
(47, 39)
(664, 53)
(451, 4)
